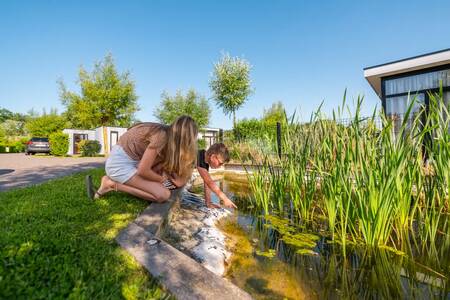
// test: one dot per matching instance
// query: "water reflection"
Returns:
(368, 273)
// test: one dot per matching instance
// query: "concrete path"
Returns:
(20, 170)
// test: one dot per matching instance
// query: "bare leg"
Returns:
(136, 186)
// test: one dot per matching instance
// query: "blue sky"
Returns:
(302, 52)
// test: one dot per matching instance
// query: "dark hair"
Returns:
(219, 149)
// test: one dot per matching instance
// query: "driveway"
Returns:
(20, 170)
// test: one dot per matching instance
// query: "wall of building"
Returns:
(71, 132)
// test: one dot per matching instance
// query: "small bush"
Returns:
(2, 149)
(19, 146)
(89, 148)
(201, 144)
(59, 143)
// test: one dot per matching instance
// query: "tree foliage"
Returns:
(230, 84)
(107, 98)
(264, 127)
(46, 124)
(9, 115)
(276, 113)
(13, 128)
(191, 104)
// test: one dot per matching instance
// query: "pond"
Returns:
(273, 259)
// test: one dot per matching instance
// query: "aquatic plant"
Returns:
(375, 184)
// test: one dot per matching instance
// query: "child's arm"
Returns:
(213, 187)
(209, 204)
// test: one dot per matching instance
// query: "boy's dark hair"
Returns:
(219, 149)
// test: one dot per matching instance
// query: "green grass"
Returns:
(55, 243)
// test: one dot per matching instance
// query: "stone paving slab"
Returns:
(184, 277)
(178, 273)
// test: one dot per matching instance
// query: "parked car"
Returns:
(37, 145)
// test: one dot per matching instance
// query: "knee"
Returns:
(163, 195)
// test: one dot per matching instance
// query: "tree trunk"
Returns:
(234, 119)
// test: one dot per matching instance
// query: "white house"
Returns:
(417, 76)
(210, 135)
(106, 136)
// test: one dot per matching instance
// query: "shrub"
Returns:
(201, 144)
(19, 146)
(89, 148)
(59, 143)
(2, 149)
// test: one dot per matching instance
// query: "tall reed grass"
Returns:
(373, 185)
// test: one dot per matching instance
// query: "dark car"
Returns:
(37, 145)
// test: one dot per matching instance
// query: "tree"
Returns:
(107, 98)
(46, 124)
(274, 114)
(9, 115)
(5, 115)
(230, 84)
(191, 104)
(13, 128)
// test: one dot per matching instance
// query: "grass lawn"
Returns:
(56, 243)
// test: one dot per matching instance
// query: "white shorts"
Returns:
(119, 166)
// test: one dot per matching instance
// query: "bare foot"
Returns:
(107, 186)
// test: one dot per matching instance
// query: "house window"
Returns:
(425, 81)
(398, 105)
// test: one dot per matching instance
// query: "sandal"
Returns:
(91, 191)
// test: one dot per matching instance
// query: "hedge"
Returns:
(59, 143)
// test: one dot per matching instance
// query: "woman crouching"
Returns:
(149, 160)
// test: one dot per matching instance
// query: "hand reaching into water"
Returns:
(227, 202)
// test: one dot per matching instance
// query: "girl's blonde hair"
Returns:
(180, 150)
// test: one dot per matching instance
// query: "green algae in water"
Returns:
(269, 254)
(263, 279)
(305, 242)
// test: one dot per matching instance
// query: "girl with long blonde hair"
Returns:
(149, 160)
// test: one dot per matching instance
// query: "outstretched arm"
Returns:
(210, 184)
(209, 204)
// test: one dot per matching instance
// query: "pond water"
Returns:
(274, 260)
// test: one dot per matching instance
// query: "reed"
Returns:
(373, 185)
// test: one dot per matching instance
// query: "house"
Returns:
(210, 135)
(108, 137)
(417, 76)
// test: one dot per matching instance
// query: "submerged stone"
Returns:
(193, 230)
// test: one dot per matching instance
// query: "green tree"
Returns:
(274, 114)
(107, 98)
(5, 115)
(46, 124)
(230, 84)
(13, 128)
(2, 136)
(9, 115)
(191, 104)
